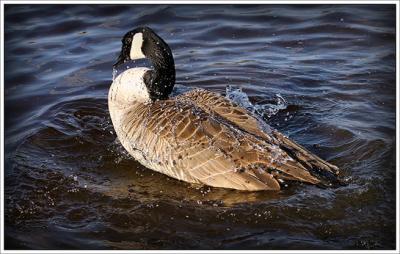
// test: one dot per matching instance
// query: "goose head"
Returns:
(144, 45)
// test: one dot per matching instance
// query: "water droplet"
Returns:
(114, 73)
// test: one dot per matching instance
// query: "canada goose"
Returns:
(199, 136)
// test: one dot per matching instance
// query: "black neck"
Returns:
(160, 81)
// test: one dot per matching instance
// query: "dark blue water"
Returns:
(322, 74)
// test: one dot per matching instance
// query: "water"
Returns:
(323, 75)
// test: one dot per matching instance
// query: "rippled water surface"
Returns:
(324, 75)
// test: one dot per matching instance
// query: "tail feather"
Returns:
(294, 170)
(306, 166)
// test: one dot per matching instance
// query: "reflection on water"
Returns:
(322, 74)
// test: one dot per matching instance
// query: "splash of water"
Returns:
(272, 109)
(268, 110)
(114, 73)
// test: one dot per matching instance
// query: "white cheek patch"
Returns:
(136, 47)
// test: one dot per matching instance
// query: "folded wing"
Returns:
(203, 137)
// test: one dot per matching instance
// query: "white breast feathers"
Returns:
(129, 87)
(126, 90)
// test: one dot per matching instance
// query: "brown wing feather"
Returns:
(305, 161)
(215, 103)
(196, 145)
(203, 137)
